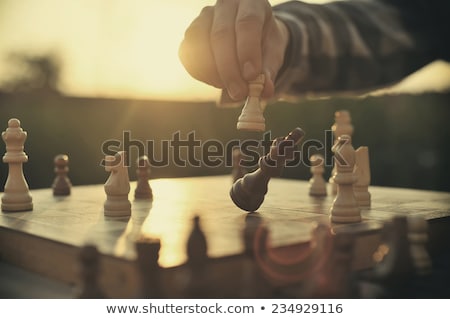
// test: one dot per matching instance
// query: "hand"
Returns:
(232, 42)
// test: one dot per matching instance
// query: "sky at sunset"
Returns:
(122, 48)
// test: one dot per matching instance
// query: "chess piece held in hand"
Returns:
(16, 196)
(248, 192)
(251, 118)
(61, 184)
(117, 186)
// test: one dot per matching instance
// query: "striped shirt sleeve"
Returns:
(352, 45)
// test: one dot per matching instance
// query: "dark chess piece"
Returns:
(394, 273)
(147, 262)
(143, 189)
(90, 267)
(252, 282)
(197, 263)
(248, 192)
(335, 279)
(238, 170)
(61, 185)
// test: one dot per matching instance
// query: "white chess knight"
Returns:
(251, 118)
(17, 196)
(117, 187)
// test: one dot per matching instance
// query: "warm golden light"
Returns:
(125, 49)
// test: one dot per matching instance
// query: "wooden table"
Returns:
(46, 241)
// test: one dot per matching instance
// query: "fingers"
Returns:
(232, 43)
(250, 20)
(223, 45)
(195, 52)
(274, 48)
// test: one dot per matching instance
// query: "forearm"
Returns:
(347, 46)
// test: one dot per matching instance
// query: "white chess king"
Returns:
(16, 197)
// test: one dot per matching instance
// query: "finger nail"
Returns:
(235, 91)
(249, 71)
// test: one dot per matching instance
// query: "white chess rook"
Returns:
(16, 196)
(117, 187)
(251, 118)
(345, 209)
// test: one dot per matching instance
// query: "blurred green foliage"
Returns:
(407, 135)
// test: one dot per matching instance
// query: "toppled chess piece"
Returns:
(117, 187)
(16, 196)
(345, 209)
(238, 170)
(143, 189)
(249, 191)
(251, 118)
(317, 184)
(61, 185)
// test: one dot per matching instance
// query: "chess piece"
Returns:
(117, 187)
(334, 280)
(147, 262)
(197, 263)
(394, 268)
(143, 189)
(251, 118)
(16, 196)
(61, 184)
(252, 283)
(248, 192)
(317, 184)
(345, 209)
(89, 272)
(362, 173)
(238, 171)
(342, 126)
(418, 238)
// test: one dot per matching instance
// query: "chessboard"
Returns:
(48, 239)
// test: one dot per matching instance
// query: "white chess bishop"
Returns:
(16, 196)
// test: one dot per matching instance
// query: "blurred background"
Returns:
(78, 73)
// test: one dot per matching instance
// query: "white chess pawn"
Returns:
(17, 196)
(251, 118)
(362, 173)
(345, 209)
(317, 184)
(117, 187)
